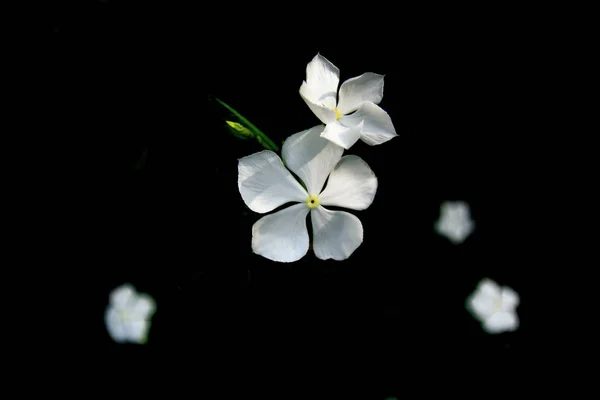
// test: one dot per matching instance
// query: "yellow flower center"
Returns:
(312, 201)
(338, 114)
(497, 304)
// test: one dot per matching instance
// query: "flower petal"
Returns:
(378, 127)
(137, 330)
(510, 299)
(501, 322)
(352, 184)
(341, 135)
(482, 307)
(121, 297)
(325, 114)
(356, 91)
(282, 236)
(484, 300)
(265, 184)
(114, 325)
(311, 157)
(143, 307)
(488, 288)
(322, 79)
(455, 230)
(336, 233)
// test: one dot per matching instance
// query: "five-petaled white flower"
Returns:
(128, 315)
(361, 94)
(494, 306)
(455, 221)
(266, 184)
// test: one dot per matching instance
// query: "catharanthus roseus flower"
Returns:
(128, 315)
(455, 221)
(494, 306)
(266, 184)
(356, 114)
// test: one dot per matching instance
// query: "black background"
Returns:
(158, 173)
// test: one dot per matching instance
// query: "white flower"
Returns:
(361, 94)
(266, 184)
(128, 315)
(494, 307)
(455, 221)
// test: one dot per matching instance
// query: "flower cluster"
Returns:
(311, 176)
(315, 156)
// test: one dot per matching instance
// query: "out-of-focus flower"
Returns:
(455, 221)
(494, 306)
(128, 315)
(266, 184)
(356, 115)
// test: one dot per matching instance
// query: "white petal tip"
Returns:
(370, 143)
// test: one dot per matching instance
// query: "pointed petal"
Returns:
(143, 307)
(341, 135)
(121, 297)
(352, 184)
(282, 236)
(325, 114)
(378, 127)
(336, 233)
(114, 325)
(510, 299)
(356, 91)
(322, 79)
(265, 184)
(137, 330)
(501, 322)
(311, 157)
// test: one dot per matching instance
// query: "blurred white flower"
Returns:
(361, 94)
(266, 184)
(494, 306)
(455, 221)
(128, 315)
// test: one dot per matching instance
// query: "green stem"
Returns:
(262, 138)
